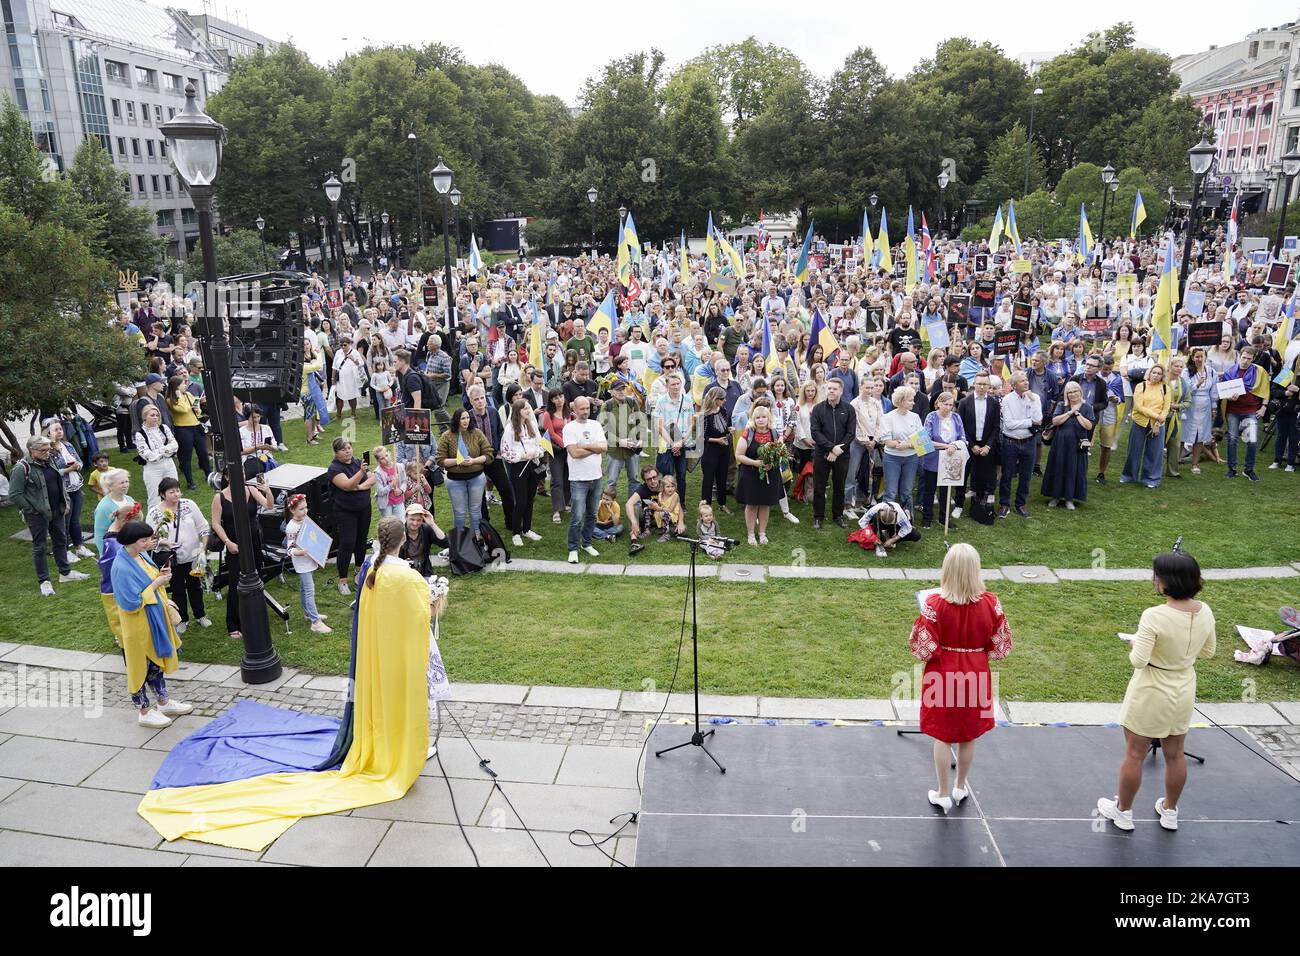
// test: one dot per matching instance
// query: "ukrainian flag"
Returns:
(604, 317)
(884, 259)
(995, 237)
(686, 267)
(801, 267)
(1084, 252)
(1012, 231)
(710, 249)
(1139, 215)
(909, 253)
(631, 239)
(868, 247)
(1162, 314)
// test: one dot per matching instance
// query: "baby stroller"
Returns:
(1286, 643)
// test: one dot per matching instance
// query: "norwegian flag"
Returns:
(762, 232)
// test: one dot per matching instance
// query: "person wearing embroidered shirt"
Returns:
(156, 444)
(183, 531)
(957, 632)
(1146, 437)
(1021, 415)
(1242, 413)
(521, 453)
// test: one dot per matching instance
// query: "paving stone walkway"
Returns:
(70, 778)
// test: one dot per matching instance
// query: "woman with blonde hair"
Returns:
(1146, 437)
(960, 628)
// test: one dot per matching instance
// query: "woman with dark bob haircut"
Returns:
(1158, 704)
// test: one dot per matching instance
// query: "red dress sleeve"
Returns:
(999, 642)
(924, 641)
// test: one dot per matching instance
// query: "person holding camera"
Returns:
(351, 480)
(1065, 480)
(182, 533)
(257, 494)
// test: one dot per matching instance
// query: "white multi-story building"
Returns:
(115, 70)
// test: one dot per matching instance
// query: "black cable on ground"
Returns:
(447, 780)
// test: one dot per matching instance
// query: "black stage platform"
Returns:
(856, 796)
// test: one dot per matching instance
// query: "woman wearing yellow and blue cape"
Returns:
(382, 741)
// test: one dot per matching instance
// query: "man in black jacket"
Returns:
(834, 423)
(981, 418)
(949, 381)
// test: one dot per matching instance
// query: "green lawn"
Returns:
(789, 638)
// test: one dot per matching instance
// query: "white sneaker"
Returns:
(320, 627)
(180, 628)
(175, 708)
(1051, 503)
(47, 589)
(790, 517)
(205, 621)
(573, 557)
(1069, 506)
(517, 541)
(956, 513)
(84, 552)
(943, 803)
(154, 718)
(959, 794)
(73, 557)
(343, 589)
(591, 551)
(1109, 809)
(282, 446)
(1289, 468)
(72, 576)
(1273, 466)
(445, 552)
(532, 536)
(881, 552)
(1168, 818)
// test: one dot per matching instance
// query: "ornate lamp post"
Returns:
(591, 200)
(1107, 177)
(442, 181)
(261, 225)
(194, 142)
(943, 185)
(1199, 157)
(1290, 166)
(333, 190)
(455, 195)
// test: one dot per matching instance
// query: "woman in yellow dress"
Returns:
(386, 732)
(149, 639)
(1162, 692)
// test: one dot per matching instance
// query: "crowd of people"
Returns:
(780, 376)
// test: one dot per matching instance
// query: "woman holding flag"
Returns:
(464, 451)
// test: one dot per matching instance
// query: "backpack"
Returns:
(464, 554)
(493, 544)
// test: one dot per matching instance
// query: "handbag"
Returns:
(173, 612)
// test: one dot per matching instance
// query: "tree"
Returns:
(239, 253)
(697, 173)
(783, 150)
(1004, 168)
(26, 184)
(543, 236)
(119, 231)
(747, 74)
(852, 118)
(55, 315)
(1157, 142)
(275, 108)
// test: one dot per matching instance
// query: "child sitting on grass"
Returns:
(669, 513)
(706, 528)
(608, 514)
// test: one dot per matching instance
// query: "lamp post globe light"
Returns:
(419, 186)
(455, 196)
(1290, 166)
(194, 142)
(333, 190)
(874, 199)
(1107, 179)
(261, 225)
(442, 182)
(591, 200)
(1200, 157)
(943, 185)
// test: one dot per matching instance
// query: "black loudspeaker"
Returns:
(320, 500)
(266, 346)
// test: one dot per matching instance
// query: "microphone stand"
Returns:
(697, 738)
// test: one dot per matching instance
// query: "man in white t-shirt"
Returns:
(584, 441)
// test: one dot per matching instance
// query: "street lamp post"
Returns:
(419, 187)
(442, 179)
(874, 199)
(1107, 178)
(943, 185)
(591, 201)
(194, 142)
(1290, 166)
(324, 238)
(622, 224)
(388, 249)
(1199, 157)
(1029, 140)
(261, 225)
(455, 196)
(333, 190)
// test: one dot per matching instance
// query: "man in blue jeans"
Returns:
(1022, 412)
(1243, 413)
(584, 442)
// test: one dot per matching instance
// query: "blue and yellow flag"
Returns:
(631, 239)
(710, 249)
(868, 246)
(767, 340)
(734, 257)
(995, 236)
(1139, 215)
(883, 258)
(1012, 231)
(821, 335)
(605, 317)
(686, 266)
(1084, 252)
(801, 267)
(909, 254)
(1285, 328)
(1162, 314)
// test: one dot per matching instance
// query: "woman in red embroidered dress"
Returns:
(958, 630)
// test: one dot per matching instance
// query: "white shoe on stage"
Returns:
(1109, 808)
(943, 803)
(433, 752)
(959, 794)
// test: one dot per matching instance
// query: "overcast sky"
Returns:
(554, 46)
